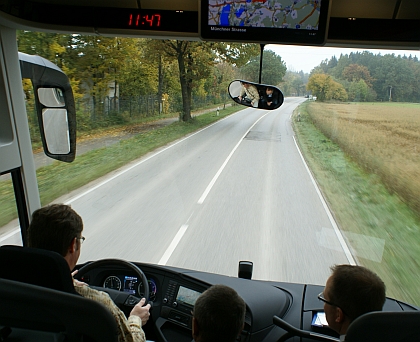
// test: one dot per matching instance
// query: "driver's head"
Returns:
(218, 315)
(57, 228)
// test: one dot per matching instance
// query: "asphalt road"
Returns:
(237, 190)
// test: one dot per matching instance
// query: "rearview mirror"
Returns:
(255, 95)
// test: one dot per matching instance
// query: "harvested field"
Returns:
(365, 158)
(383, 138)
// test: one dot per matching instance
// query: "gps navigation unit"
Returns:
(265, 21)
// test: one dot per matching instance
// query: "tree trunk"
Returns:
(160, 85)
(185, 83)
(114, 99)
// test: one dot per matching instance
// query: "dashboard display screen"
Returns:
(187, 296)
(270, 21)
(130, 284)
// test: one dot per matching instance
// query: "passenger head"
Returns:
(269, 90)
(218, 315)
(57, 228)
(350, 292)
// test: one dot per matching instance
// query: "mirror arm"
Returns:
(261, 60)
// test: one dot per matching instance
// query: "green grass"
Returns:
(369, 216)
(60, 178)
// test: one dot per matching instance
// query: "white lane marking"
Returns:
(327, 210)
(71, 200)
(142, 161)
(13, 232)
(173, 245)
(213, 181)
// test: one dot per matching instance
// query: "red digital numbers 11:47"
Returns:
(138, 20)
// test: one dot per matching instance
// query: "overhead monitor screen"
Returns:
(265, 21)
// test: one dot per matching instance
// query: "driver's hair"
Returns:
(356, 290)
(54, 227)
(220, 314)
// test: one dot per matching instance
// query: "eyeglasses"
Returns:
(322, 299)
(82, 239)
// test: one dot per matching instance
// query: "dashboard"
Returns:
(173, 292)
(130, 284)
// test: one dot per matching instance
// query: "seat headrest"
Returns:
(383, 326)
(37, 313)
(37, 267)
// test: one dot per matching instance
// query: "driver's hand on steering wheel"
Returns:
(141, 311)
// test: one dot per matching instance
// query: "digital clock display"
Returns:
(138, 20)
(108, 17)
(175, 21)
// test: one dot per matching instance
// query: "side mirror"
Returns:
(55, 107)
(54, 121)
(255, 95)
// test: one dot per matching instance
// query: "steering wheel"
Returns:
(119, 298)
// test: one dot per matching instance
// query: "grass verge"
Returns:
(60, 178)
(381, 230)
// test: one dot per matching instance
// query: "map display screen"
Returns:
(187, 296)
(265, 21)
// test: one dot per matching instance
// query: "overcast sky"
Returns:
(307, 57)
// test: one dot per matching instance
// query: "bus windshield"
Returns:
(170, 170)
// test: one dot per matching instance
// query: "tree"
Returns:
(137, 75)
(294, 83)
(319, 85)
(273, 71)
(223, 74)
(195, 60)
(237, 54)
(356, 72)
(325, 88)
(154, 54)
(358, 91)
(51, 46)
(392, 71)
(336, 92)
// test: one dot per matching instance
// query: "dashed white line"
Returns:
(173, 245)
(213, 181)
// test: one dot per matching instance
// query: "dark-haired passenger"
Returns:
(218, 315)
(350, 292)
(270, 99)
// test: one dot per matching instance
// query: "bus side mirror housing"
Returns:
(54, 104)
